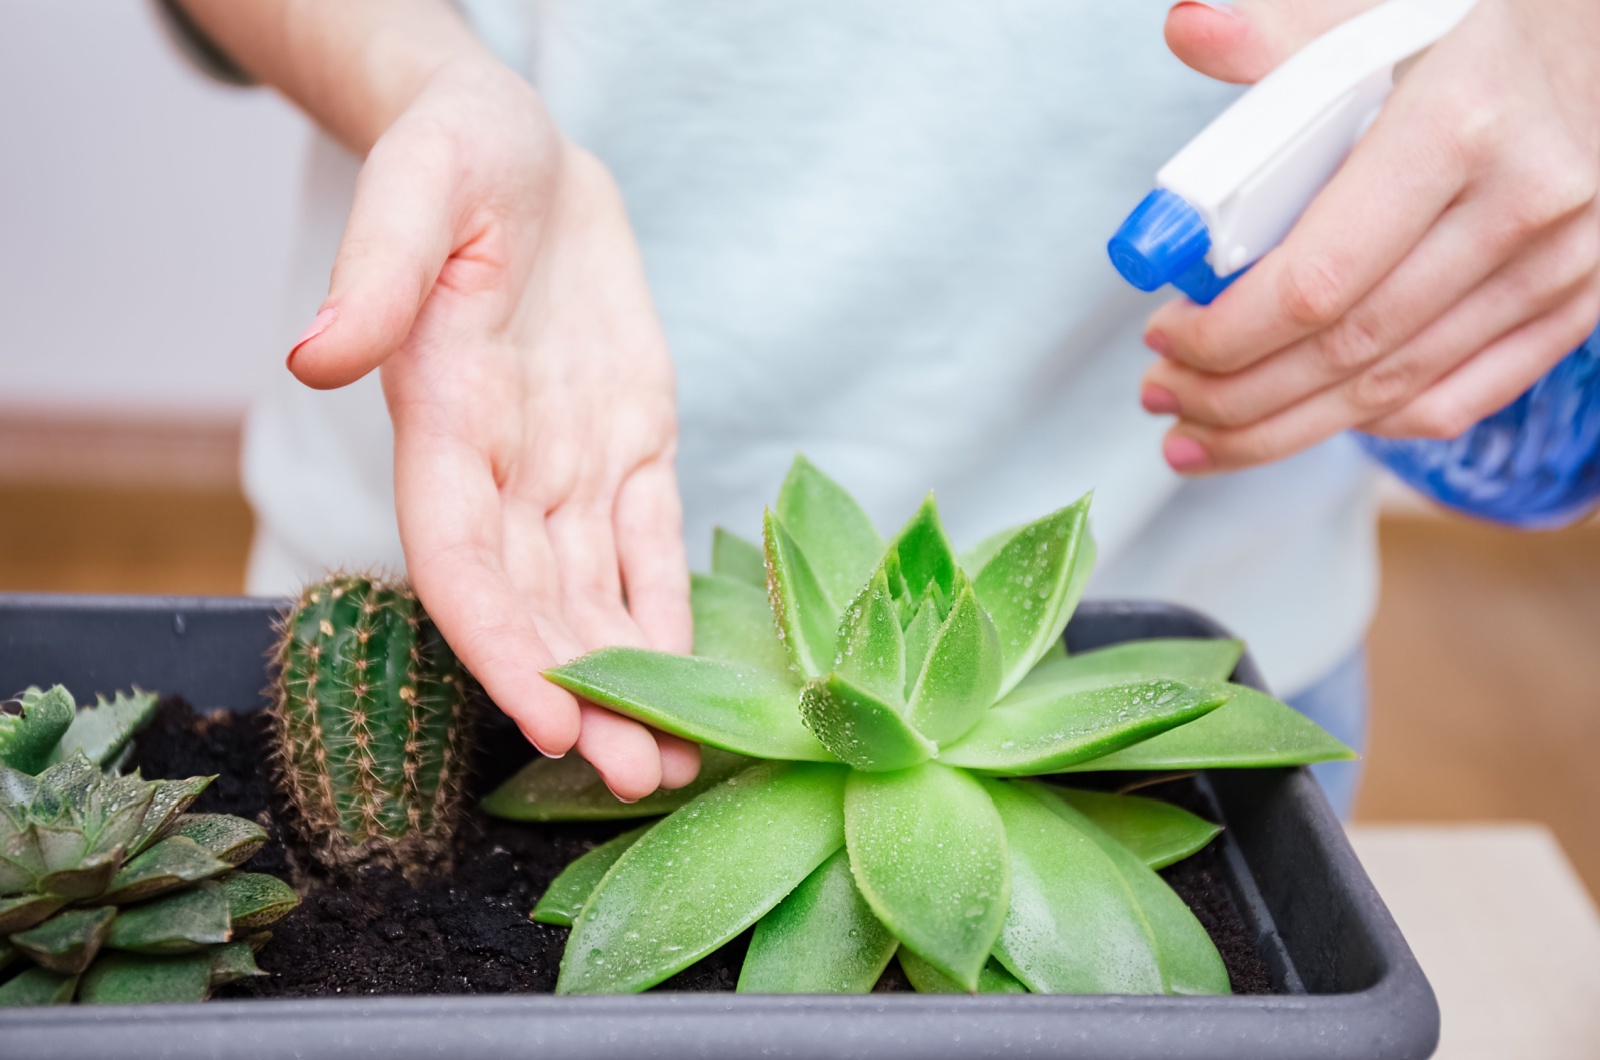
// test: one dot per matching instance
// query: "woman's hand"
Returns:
(1449, 264)
(488, 267)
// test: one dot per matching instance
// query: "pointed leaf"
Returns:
(703, 875)
(859, 728)
(1251, 730)
(1191, 659)
(822, 939)
(21, 913)
(924, 554)
(569, 789)
(929, 855)
(567, 893)
(1027, 588)
(871, 652)
(27, 739)
(1158, 833)
(256, 899)
(1044, 730)
(231, 962)
(737, 559)
(921, 632)
(172, 797)
(978, 556)
(102, 731)
(37, 986)
(994, 979)
(172, 863)
(961, 677)
(131, 979)
(229, 839)
(835, 534)
(733, 621)
(1073, 926)
(67, 942)
(728, 705)
(88, 879)
(179, 923)
(1190, 963)
(805, 616)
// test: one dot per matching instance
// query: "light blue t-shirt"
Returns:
(875, 233)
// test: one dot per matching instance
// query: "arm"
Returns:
(488, 268)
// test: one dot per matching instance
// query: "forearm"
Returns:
(353, 65)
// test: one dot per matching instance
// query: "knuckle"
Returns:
(1312, 292)
(1206, 349)
(1352, 343)
(1381, 387)
(1438, 419)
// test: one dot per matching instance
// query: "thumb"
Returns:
(1243, 42)
(398, 236)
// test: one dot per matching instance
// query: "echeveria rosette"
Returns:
(894, 697)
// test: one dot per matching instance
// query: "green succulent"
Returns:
(48, 727)
(875, 708)
(111, 893)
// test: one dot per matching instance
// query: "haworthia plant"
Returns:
(870, 709)
(110, 892)
(47, 727)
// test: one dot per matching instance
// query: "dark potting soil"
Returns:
(469, 933)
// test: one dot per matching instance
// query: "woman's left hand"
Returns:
(1449, 264)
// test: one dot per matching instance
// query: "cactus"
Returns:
(372, 714)
(48, 727)
(109, 891)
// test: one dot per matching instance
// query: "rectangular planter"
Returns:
(1350, 986)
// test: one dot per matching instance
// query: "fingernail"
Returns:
(319, 324)
(1158, 400)
(1158, 341)
(542, 751)
(1219, 8)
(630, 802)
(1185, 454)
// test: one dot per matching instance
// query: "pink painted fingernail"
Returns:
(1185, 454)
(1158, 341)
(319, 324)
(1158, 400)
(1219, 8)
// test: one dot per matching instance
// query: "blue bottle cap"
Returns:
(1160, 241)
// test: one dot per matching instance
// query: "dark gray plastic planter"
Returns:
(1352, 987)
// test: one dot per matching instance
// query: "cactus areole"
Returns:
(372, 726)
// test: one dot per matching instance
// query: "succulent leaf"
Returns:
(184, 922)
(87, 879)
(822, 939)
(255, 899)
(102, 732)
(871, 652)
(923, 552)
(232, 962)
(567, 893)
(67, 943)
(229, 839)
(171, 798)
(962, 674)
(135, 979)
(737, 559)
(24, 911)
(1251, 730)
(176, 861)
(1074, 926)
(859, 728)
(929, 855)
(27, 739)
(1189, 961)
(703, 875)
(1179, 658)
(926, 619)
(727, 705)
(1028, 588)
(569, 789)
(806, 617)
(1044, 729)
(926, 979)
(1158, 833)
(836, 536)
(733, 622)
(37, 986)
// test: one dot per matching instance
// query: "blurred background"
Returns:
(144, 231)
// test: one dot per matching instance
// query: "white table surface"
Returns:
(1503, 927)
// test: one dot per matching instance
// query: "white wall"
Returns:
(145, 219)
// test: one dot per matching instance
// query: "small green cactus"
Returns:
(372, 726)
(46, 728)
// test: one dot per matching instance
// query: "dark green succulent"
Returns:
(111, 893)
(48, 727)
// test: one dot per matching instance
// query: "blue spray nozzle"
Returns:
(1164, 241)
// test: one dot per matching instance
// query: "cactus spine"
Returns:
(372, 724)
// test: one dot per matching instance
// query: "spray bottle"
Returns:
(1234, 192)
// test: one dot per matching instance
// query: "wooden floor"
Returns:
(1485, 655)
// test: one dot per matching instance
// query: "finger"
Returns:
(1242, 42)
(395, 242)
(680, 761)
(591, 585)
(1391, 190)
(535, 573)
(622, 751)
(453, 560)
(1452, 260)
(655, 567)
